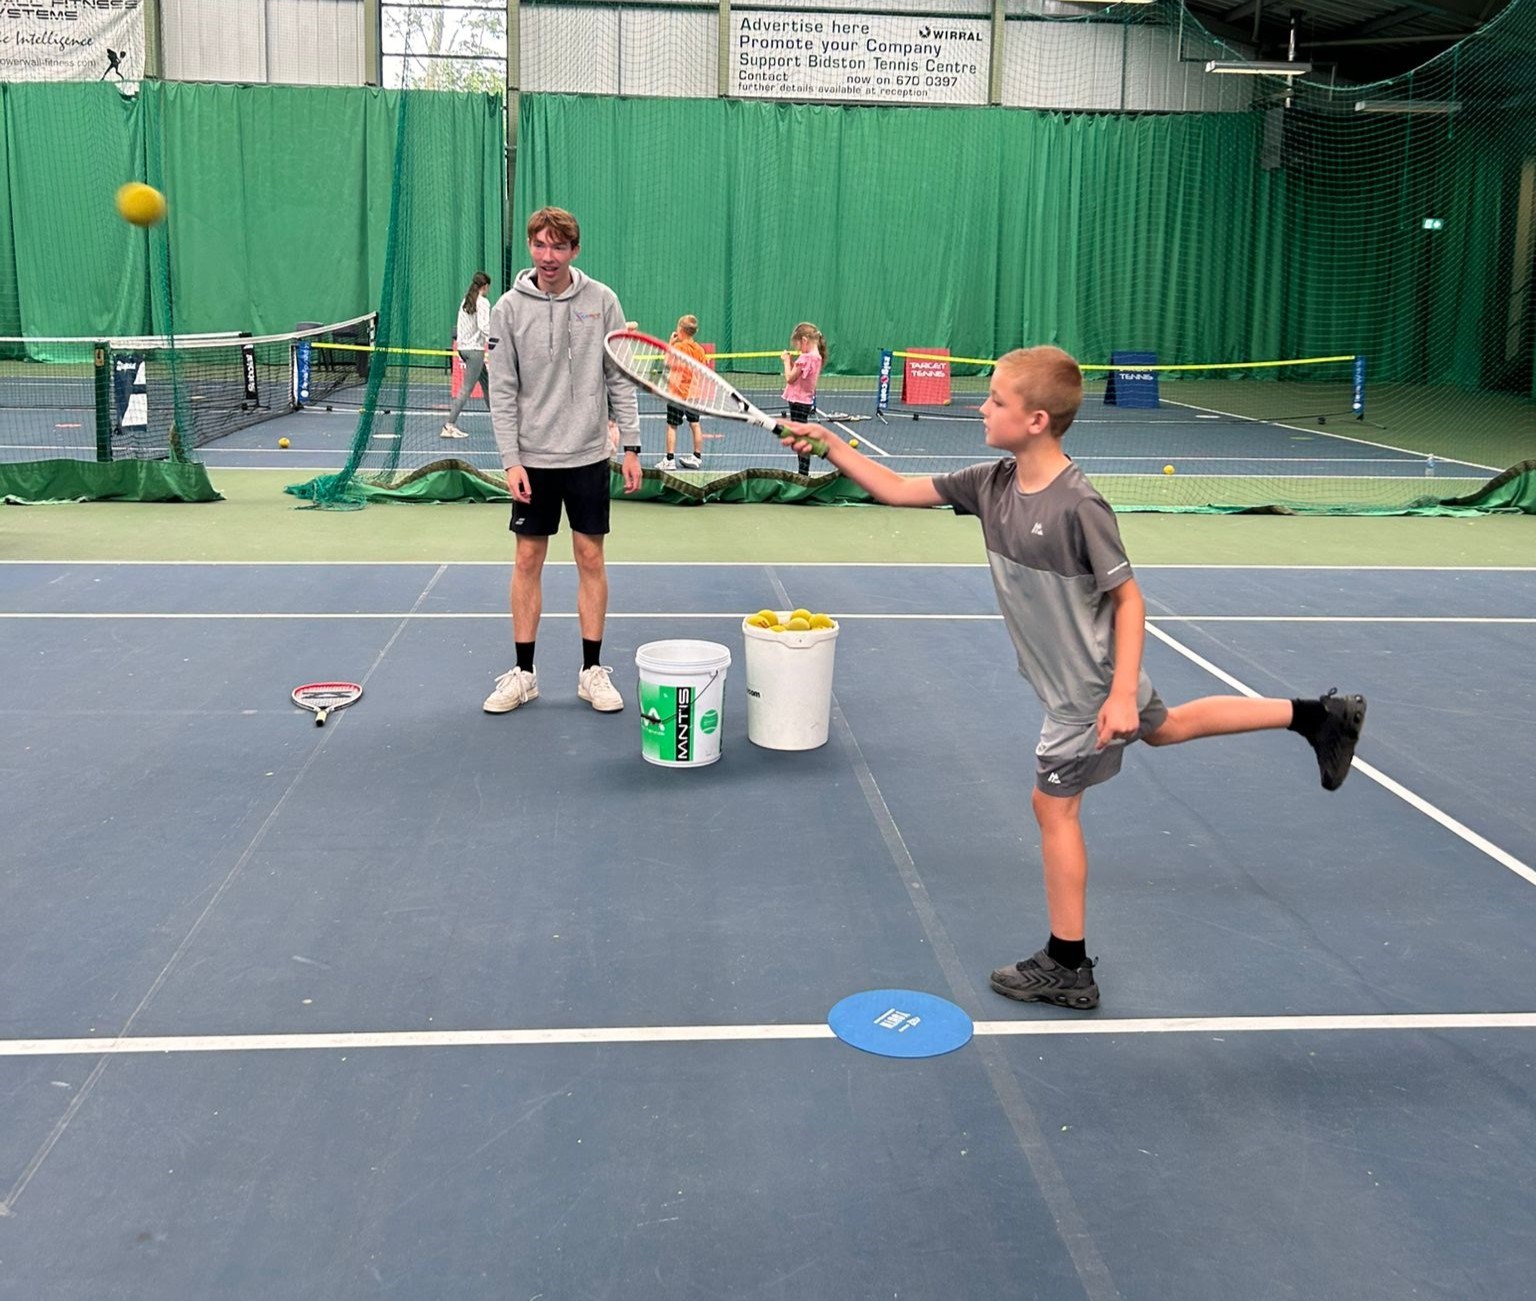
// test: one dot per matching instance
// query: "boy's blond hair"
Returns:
(687, 326)
(1048, 380)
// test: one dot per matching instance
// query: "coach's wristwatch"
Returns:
(635, 450)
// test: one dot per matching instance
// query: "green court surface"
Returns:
(257, 521)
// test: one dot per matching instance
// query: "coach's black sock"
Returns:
(591, 653)
(1070, 953)
(1307, 718)
(524, 655)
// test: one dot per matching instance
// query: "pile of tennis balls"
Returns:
(801, 620)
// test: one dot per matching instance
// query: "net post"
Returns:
(102, 388)
(1357, 397)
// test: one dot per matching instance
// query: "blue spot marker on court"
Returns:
(900, 1023)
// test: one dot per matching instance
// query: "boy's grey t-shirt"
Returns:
(1055, 555)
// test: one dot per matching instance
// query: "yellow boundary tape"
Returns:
(1214, 365)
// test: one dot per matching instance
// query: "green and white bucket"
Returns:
(682, 691)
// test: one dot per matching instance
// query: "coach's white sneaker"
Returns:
(452, 431)
(595, 686)
(513, 688)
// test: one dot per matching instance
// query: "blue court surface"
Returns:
(1104, 440)
(430, 1003)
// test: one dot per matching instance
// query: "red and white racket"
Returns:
(324, 698)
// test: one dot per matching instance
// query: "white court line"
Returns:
(864, 442)
(1460, 829)
(351, 1041)
(902, 617)
(672, 565)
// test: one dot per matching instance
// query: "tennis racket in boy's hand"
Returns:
(675, 377)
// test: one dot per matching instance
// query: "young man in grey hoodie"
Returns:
(553, 391)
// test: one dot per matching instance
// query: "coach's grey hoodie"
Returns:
(552, 385)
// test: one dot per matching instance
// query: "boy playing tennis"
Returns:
(1078, 623)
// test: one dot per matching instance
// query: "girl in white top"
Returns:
(474, 325)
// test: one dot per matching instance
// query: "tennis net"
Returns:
(155, 397)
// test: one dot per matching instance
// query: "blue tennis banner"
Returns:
(883, 394)
(1131, 383)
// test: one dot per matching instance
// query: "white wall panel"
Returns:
(669, 54)
(215, 40)
(315, 42)
(303, 42)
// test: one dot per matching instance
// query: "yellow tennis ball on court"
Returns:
(853, 442)
(140, 204)
(1167, 469)
(282, 442)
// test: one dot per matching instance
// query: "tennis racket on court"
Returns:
(675, 377)
(325, 698)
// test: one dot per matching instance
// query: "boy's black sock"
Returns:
(1306, 717)
(591, 653)
(524, 655)
(1070, 953)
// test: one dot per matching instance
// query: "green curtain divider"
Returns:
(980, 229)
(35, 483)
(278, 205)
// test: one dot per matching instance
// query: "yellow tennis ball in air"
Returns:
(282, 442)
(853, 442)
(1167, 469)
(140, 204)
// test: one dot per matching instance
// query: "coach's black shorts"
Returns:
(583, 491)
(678, 416)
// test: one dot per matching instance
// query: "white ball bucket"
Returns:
(789, 686)
(682, 689)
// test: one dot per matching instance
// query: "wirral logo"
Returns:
(1037, 531)
(947, 34)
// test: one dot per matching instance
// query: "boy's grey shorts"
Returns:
(1068, 759)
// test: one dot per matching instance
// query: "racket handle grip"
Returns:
(817, 446)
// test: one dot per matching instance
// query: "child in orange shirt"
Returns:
(682, 385)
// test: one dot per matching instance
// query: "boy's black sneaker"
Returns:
(1041, 979)
(1334, 744)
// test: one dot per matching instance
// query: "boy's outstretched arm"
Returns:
(882, 483)
(1118, 718)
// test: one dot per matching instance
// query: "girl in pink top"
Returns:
(802, 366)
